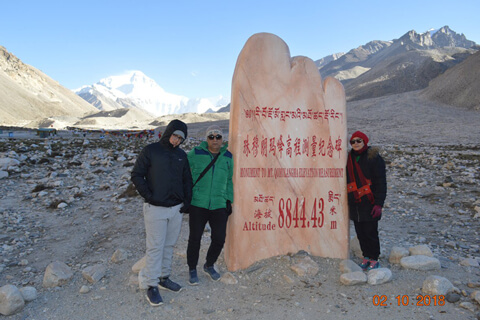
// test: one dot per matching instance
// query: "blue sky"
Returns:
(190, 47)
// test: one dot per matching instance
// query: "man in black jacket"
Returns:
(162, 177)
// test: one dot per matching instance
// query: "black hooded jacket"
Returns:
(161, 173)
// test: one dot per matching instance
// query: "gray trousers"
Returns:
(162, 226)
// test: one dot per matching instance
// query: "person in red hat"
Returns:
(367, 190)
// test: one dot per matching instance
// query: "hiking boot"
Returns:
(154, 297)
(365, 263)
(193, 281)
(214, 275)
(374, 264)
(167, 284)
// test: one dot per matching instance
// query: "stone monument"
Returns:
(288, 135)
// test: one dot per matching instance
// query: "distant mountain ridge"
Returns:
(326, 60)
(414, 61)
(135, 90)
(405, 64)
(27, 94)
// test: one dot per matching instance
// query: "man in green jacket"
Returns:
(212, 198)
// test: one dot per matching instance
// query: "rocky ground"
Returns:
(68, 199)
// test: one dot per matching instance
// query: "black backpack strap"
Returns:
(206, 169)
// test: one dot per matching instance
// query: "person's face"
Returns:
(175, 140)
(214, 142)
(357, 143)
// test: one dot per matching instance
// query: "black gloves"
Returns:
(185, 208)
(229, 207)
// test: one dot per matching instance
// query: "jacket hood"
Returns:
(171, 128)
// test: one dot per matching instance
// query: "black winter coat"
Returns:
(161, 172)
(373, 168)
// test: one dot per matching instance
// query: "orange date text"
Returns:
(404, 300)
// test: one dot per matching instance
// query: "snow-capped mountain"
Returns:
(135, 89)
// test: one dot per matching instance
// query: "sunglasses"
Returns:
(356, 141)
(218, 137)
(177, 137)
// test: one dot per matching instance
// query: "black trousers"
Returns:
(367, 234)
(198, 218)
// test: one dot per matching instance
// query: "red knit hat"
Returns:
(361, 135)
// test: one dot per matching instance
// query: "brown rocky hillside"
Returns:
(28, 94)
(458, 86)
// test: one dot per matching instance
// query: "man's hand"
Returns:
(229, 207)
(185, 209)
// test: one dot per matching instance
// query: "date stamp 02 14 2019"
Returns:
(404, 300)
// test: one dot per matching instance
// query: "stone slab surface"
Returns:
(288, 137)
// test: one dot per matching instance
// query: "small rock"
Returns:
(353, 278)
(305, 267)
(228, 278)
(452, 297)
(347, 266)
(422, 249)
(469, 262)
(397, 253)
(3, 174)
(23, 262)
(29, 293)
(62, 205)
(436, 285)
(94, 273)
(468, 306)
(379, 276)
(476, 296)
(56, 274)
(119, 255)
(451, 244)
(84, 289)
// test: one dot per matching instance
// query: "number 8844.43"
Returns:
(296, 213)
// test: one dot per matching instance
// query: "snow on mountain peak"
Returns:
(146, 93)
(129, 81)
(432, 31)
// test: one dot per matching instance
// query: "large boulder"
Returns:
(420, 262)
(11, 300)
